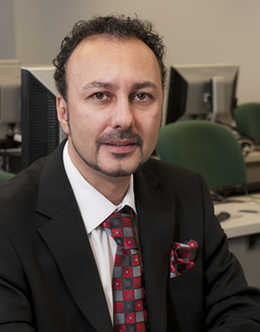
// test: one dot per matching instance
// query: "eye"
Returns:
(141, 96)
(100, 95)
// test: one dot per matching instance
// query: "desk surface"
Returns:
(253, 157)
(240, 222)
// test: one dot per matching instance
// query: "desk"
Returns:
(243, 232)
(252, 161)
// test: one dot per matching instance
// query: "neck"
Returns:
(114, 189)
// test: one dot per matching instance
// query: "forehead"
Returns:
(94, 44)
(109, 54)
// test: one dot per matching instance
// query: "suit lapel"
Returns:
(65, 235)
(156, 230)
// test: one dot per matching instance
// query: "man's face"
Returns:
(113, 112)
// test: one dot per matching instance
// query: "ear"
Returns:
(62, 113)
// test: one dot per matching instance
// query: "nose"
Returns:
(122, 114)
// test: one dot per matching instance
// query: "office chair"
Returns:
(5, 176)
(247, 117)
(207, 147)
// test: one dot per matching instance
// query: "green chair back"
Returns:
(247, 117)
(207, 147)
(5, 176)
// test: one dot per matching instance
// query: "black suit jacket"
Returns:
(49, 280)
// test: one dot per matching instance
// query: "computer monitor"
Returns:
(10, 101)
(202, 92)
(41, 132)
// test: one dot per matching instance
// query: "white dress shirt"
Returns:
(95, 208)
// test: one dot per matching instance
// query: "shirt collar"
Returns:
(94, 207)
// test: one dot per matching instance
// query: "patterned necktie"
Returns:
(130, 314)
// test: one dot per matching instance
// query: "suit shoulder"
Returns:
(170, 177)
(163, 168)
(22, 187)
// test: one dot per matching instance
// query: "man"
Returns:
(57, 258)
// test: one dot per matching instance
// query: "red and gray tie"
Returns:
(130, 314)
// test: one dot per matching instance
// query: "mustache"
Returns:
(119, 134)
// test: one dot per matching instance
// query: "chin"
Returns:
(119, 171)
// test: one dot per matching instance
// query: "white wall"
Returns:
(7, 31)
(31, 31)
(195, 31)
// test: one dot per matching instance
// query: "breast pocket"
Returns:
(185, 301)
(186, 280)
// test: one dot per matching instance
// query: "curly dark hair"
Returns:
(118, 26)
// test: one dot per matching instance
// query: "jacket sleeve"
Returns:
(230, 304)
(15, 311)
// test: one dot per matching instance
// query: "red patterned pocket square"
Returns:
(182, 257)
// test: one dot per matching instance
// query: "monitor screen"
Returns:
(41, 132)
(201, 92)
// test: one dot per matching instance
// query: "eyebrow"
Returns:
(97, 84)
(111, 86)
(146, 84)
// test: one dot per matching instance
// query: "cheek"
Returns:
(86, 129)
(152, 123)
(150, 130)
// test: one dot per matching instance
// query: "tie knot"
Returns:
(120, 226)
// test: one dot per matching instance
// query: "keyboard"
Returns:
(240, 189)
